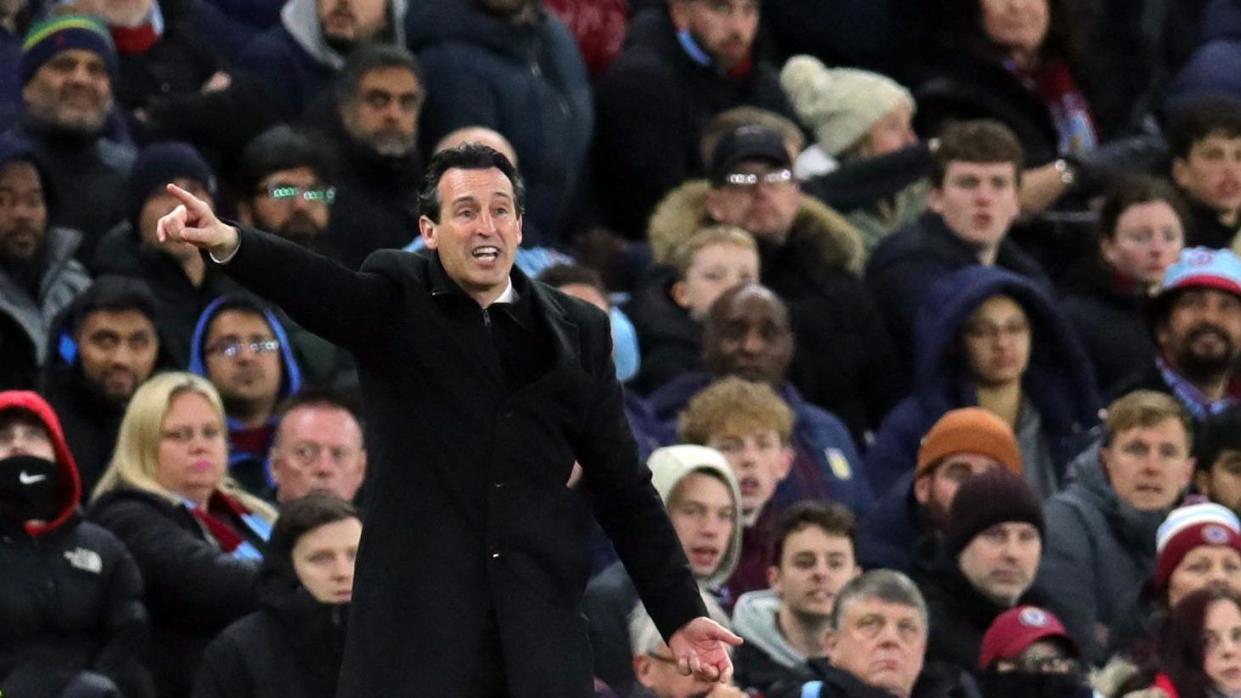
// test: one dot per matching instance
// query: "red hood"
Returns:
(67, 470)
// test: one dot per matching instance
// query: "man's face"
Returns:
(1001, 561)
(348, 22)
(118, 350)
(478, 231)
(323, 559)
(702, 511)
(760, 460)
(749, 336)
(725, 29)
(25, 435)
(812, 568)
(882, 644)
(23, 211)
(159, 204)
(978, 201)
(997, 342)
(764, 202)
(248, 375)
(1015, 24)
(1149, 466)
(936, 489)
(1147, 240)
(384, 111)
(1211, 173)
(1202, 332)
(294, 204)
(318, 448)
(715, 269)
(72, 91)
(1221, 483)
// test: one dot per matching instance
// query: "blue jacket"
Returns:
(1059, 380)
(886, 536)
(826, 466)
(250, 469)
(525, 81)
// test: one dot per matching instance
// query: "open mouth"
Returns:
(487, 253)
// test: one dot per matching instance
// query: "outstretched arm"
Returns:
(345, 307)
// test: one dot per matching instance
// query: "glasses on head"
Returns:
(309, 453)
(279, 191)
(749, 180)
(233, 348)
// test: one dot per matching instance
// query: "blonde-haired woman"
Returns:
(195, 535)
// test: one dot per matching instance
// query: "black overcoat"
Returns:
(468, 516)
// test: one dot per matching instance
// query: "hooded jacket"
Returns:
(844, 356)
(1058, 382)
(248, 467)
(291, 647)
(294, 60)
(766, 659)
(525, 80)
(70, 594)
(611, 596)
(1098, 553)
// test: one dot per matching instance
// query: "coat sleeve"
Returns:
(1067, 575)
(208, 587)
(895, 450)
(222, 673)
(626, 503)
(127, 628)
(345, 307)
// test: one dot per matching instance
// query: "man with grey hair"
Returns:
(876, 646)
(655, 668)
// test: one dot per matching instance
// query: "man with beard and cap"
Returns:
(39, 276)
(704, 504)
(182, 283)
(241, 346)
(964, 442)
(1196, 321)
(107, 345)
(298, 58)
(1027, 653)
(378, 98)
(67, 72)
(70, 594)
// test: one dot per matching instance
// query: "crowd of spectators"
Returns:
(928, 316)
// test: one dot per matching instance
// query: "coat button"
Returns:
(495, 554)
(498, 485)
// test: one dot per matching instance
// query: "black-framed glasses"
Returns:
(751, 179)
(278, 191)
(233, 349)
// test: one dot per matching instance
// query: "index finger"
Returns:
(192, 203)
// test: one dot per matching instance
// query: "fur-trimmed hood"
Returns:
(684, 209)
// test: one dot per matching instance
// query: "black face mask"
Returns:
(28, 489)
(1020, 684)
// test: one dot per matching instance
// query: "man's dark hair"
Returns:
(1134, 191)
(983, 140)
(1221, 432)
(467, 156)
(560, 275)
(240, 304)
(317, 397)
(833, 519)
(282, 148)
(1199, 119)
(305, 514)
(364, 59)
(114, 294)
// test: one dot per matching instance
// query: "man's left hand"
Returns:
(700, 649)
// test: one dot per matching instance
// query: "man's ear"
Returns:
(678, 12)
(245, 214)
(427, 230)
(786, 462)
(679, 295)
(935, 200)
(713, 205)
(773, 578)
(830, 640)
(922, 489)
(1180, 172)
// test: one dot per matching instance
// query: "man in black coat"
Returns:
(482, 389)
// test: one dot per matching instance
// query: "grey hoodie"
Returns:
(301, 19)
(754, 618)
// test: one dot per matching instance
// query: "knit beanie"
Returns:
(50, 37)
(839, 104)
(994, 497)
(969, 430)
(1187, 528)
(160, 163)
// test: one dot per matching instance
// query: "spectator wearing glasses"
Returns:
(318, 447)
(284, 183)
(807, 254)
(242, 348)
(181, 283)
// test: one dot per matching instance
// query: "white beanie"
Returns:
(839, 104)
